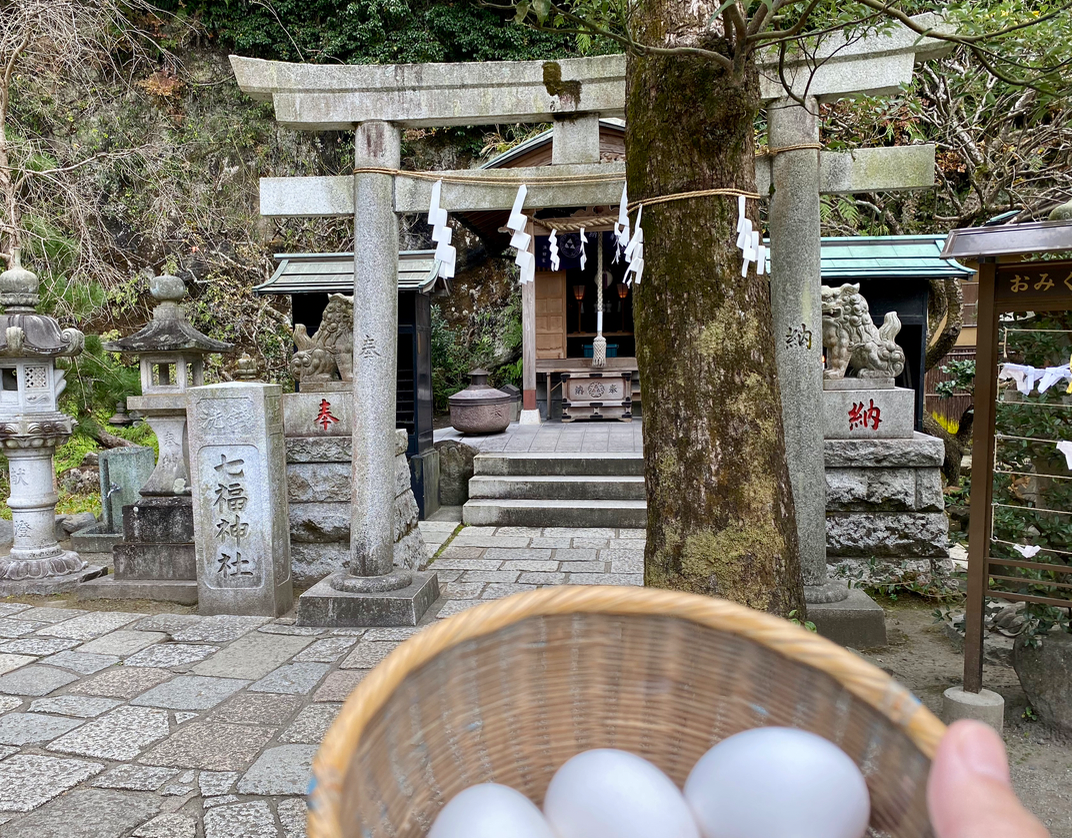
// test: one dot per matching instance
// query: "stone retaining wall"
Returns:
(318, 491)
(884, 498)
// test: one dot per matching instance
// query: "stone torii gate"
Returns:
(377, 101)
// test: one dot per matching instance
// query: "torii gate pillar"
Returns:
(372, 592)
(796, 305)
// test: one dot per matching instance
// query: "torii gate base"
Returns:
(856, 621)
(324, 605)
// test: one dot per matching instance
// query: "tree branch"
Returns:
(586, 28)
(740, 27)
(967, 40)
(11, 223)
(795, 30)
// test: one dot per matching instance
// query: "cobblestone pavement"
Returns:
(118, 723)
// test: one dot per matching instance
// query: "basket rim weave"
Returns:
(859, 677)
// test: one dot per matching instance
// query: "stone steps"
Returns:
(557, 490)
(502, 512)
(558, 464)
(557, 487)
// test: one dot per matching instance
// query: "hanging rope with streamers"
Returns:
(599, 345)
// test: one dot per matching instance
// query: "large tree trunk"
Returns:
(720, 506)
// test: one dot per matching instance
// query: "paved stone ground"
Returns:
(118, 723)
(559, 438)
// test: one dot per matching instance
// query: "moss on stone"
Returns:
(566, 91)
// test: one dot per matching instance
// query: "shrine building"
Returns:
(894, 273)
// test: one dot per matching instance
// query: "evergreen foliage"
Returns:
(369, 31)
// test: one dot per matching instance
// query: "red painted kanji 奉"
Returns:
(324, 417)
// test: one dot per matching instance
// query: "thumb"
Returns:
(969, 793)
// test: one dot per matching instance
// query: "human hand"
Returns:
(969, 793)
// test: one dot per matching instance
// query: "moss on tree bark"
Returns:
(720, 506)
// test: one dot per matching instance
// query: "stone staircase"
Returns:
(557, 490)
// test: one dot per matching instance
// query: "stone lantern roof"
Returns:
(169, 330)
(23, 332)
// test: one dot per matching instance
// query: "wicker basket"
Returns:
(510, 690)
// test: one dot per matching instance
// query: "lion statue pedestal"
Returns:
(883, 480)
(862, 361)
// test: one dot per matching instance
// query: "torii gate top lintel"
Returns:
(324, 97)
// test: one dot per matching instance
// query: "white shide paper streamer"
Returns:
(520, 239)
(1065, 447)
(621, 228)
(749, 242)
(634, 252)
(445, 254)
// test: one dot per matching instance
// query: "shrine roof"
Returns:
(311, 273)
(973, 243)
(887, 257)
(607, 127)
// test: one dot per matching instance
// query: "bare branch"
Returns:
(740, 27)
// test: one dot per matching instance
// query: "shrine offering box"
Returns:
(508, 691)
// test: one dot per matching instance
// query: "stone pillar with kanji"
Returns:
(238, 478)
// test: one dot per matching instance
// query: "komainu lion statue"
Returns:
(851, 339)
(329, 354)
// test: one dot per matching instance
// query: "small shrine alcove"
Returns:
(310, 279)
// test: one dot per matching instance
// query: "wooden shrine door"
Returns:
(550, 314)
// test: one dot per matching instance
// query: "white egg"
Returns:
(778, 781)
(490, 811)
(614, 794)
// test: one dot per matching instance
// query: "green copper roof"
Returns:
(887, 257)
(304, 273)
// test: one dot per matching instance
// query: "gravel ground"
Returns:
(926, 660)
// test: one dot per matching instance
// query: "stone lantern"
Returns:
(171, 355)
(31, 427)
(155, 559)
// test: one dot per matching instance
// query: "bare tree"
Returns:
(62, 41)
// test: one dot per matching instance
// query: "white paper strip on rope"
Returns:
(634, 252)
(520, 239)
(1027, 551)
(1065, 447)
(1051, 375)
(744, 224)
(584, 256)
(446, 254)
(748, 241)
(621, 228)
(1026, 376)
(552, 244)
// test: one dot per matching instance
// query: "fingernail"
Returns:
(981, 750)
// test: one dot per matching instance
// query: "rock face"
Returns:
(455, 469)
(886, 536)
(318, 489)
(1045, 673)
(884, 498)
